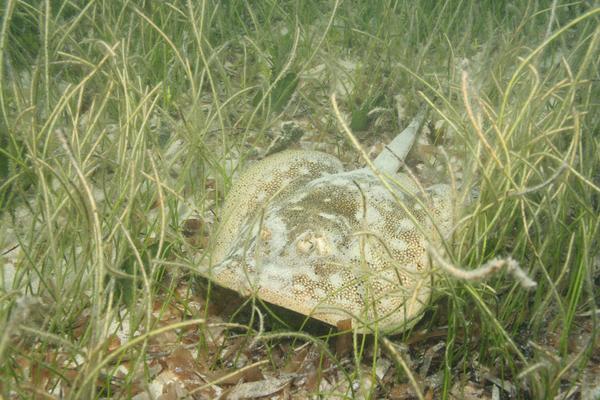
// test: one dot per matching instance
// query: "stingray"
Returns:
(300, 232)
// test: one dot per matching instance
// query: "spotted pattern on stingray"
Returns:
(303, 234)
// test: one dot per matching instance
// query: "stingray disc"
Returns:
(300, 233)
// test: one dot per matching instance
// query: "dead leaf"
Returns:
(160, 341)
(113, 343)
(81, 323)
(469, 391)
(228, 376)
(312, 380)
(382, 367)
(251, 390)
(170, 391)
(344, 342)
(182, 364)
(233, 349)
(297, 360)
(429, 355)
(402, 391)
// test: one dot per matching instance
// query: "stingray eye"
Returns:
(309, 242)
(322, 245)
(305, 243)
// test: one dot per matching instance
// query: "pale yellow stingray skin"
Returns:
(300, 232)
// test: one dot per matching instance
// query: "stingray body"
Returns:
(300, 232)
